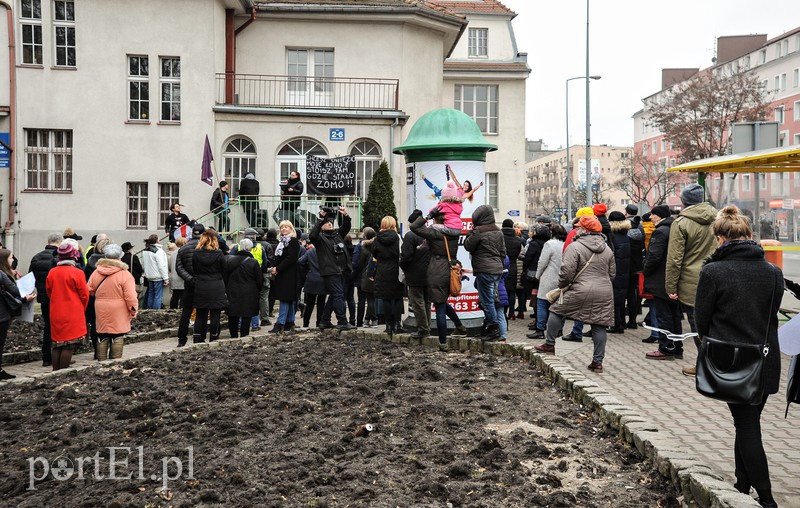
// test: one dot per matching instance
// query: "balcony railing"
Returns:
(269, 91)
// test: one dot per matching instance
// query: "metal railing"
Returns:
(259, 90)
(267, 211)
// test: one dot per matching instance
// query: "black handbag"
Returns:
(733, 372)
(13, 303)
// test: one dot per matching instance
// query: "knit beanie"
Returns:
(631, 209)
(599, 208)
(692, 195)
(616, 216)
(450, 191)
(67, 251)
(590, 223)
(584, 212)
(660, 211)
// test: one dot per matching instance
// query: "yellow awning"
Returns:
(783, 159)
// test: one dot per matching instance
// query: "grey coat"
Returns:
(591, 297)
(485, 242)
(549, 266)
(438, 268)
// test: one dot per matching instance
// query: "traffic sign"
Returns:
(513, 213)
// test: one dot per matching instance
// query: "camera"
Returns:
(338, 248)
(328, 212)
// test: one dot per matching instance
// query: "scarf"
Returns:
(283, 241)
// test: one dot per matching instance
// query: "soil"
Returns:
(282, 422)
(23, 336)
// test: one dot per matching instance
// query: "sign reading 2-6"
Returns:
(337, 133)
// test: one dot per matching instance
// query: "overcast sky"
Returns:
(630, 42)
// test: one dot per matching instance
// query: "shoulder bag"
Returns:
(455, 272)
(733, 372)
(557, 294)
(13, 303)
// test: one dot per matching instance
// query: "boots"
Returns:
(102, 350)
(116, 348)
(213, 338)
(398, 328)
(388, 329)
(278, 328)
(198, 339)
(289, 327)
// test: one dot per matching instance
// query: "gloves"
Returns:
(416, 214)
(433, 213)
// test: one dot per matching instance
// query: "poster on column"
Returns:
(468, 180)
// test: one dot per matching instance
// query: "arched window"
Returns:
(368, 158)
(240, 159)
(292, 157)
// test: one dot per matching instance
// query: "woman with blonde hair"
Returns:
(287, 252)
(734, 281)
(208, 263)
(386, 255)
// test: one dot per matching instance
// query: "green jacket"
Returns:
(691, 241)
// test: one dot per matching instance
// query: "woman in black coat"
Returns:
(513, 248)
(622, 259)
(365, 314)
(314, 287)
(208, 263)
(668, 315)
(243, 283)
(287, 253)
(386, 253)
(738, 297)
(540, 235)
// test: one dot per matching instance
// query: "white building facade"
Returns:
(108, 103)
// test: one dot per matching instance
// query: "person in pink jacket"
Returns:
(115, 301)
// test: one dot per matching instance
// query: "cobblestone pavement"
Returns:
(657, 389)
(660, 392)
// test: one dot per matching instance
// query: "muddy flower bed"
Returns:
(312, 421)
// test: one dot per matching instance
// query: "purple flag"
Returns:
(207, 175)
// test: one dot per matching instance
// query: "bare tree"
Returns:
(696, 115)
(643, 180)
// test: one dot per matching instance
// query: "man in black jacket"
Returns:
(41, 264)
(488, 251)
(219, 205)
(175, 220)
(414, 259)
(636, 238)
(249, 190)
(183, 265)
(333, 261)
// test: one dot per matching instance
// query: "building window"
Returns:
(762, 56)
(491, 191)
(762, 181)
(292, 156)
(314, 66)
(137, 205)
(138, 88)
(481, 103)
(797, 139)
(780, 115)
(783, 82)
(478, 41)
(645, 148)
(240, 158)
(796, 78)
(663, 145)
(797, 42)
(168, 193)
(48, 160)
(64, 32)
(368, 158)
(777, 81)
(764, 85)
(170, 89)
(31, 27)
(655, 147)
(797, 111)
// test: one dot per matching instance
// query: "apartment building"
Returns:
(776, 63)
(109, 103)
(546, 181)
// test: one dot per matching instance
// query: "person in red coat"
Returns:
(69, 295)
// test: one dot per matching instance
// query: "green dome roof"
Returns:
(445, 129)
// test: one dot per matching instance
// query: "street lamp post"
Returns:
(569, 168)
(588, 124)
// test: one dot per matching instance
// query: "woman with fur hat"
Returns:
(622, 258)
(69, 295)
(587, 270)
(115, 301)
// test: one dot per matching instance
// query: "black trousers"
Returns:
(46, 338)
(334, 286)
(3, 334)
(748, 450)
(176, 298)
(311, 301)
(186, 311)
(238, 326)
(366, 307)
(201, 323)
(634, 300)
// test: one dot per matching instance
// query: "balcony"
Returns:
(297, 92)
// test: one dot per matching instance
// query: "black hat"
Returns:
(127, 246)
(94, 239)
(616, 216)
(646, 217)
(660, 211)
(198, 229)
(222, 184)
(631, 209)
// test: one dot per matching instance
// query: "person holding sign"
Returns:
(291, 189)
(8, 286)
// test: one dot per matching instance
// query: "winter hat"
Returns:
(67, 251)
(590, 223)
(508, 223)
(599, 209)
(70, 233)
(584, 212)
(631, 209)
(198, 230)
(692, 195)
(127, 246)
(616, 216)
(646, 217)
(450, 190)
(544, 219)
(660, 211)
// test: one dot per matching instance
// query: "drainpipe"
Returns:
(230, 50)
(391, 144)
(12, 135)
